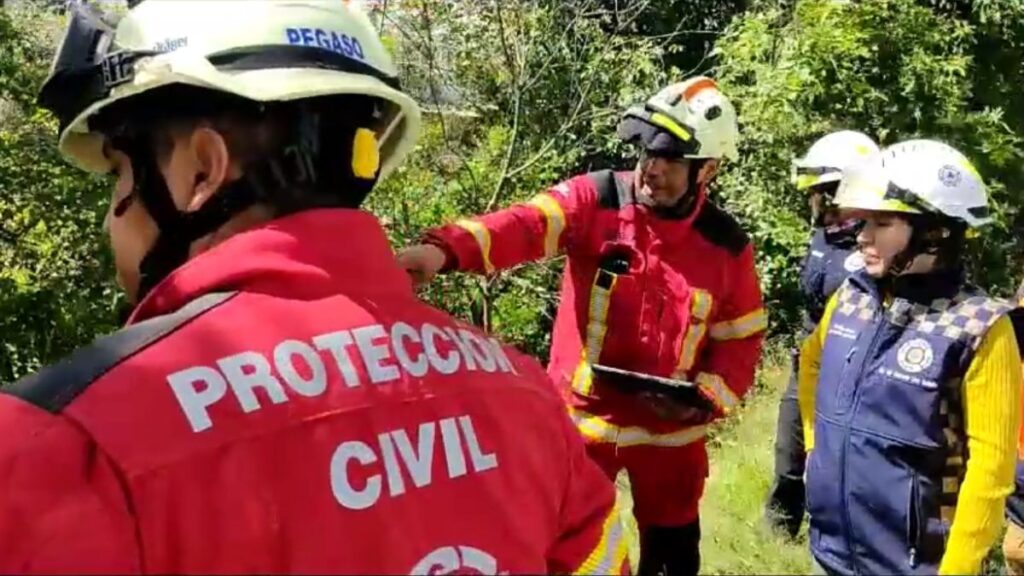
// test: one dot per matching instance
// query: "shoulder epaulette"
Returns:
(612, 193)
(721, 229)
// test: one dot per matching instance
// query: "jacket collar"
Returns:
(304, 256)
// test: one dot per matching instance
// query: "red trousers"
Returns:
(666, 482)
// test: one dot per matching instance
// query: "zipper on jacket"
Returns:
(914, 522)
(876, 319)
(842, 374)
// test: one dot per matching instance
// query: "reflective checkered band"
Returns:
(965, 317)
(951, 412)
(855, 304)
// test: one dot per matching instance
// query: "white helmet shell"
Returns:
(210, 44)
(917, 177)
(829, 156)
(696, 112)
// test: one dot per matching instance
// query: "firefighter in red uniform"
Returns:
(658, 281)
(268, 410)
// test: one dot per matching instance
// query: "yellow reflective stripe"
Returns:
(583, 378)
(555, 221)
(805, 181)
(483, 240)
(659, 119)
(966, 166)
(594, 428)
(862, 194)
(948, 513)
(742, 327)
(715, 388)
(701, 305)
(700, 309)
(597, 325)
(610, 553)
(694, 336)
(636, 436)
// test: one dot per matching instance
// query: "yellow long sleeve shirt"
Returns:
(992, 417)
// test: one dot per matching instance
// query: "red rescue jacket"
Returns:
(284, 404)
(664, 296)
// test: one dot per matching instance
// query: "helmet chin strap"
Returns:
(173, 245)
(279, 179)
(179, 230)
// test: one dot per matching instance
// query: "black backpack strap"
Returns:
(54, 387)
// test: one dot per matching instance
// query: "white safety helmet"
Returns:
(261, 50)
(311, 65)
(829, 156)
(917, 177)
(699, 118)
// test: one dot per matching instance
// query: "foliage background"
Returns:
(522, 93)
(55, 288)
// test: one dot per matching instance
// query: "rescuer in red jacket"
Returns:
(268, 409)
(658, 280)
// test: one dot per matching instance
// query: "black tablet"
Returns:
(681, 391)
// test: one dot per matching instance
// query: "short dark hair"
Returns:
(255, 132)
(944, 237)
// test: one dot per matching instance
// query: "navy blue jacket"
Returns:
(889, 457)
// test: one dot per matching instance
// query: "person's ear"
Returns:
(708, 171)
(212, 165)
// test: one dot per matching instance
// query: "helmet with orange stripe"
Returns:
(689, 119)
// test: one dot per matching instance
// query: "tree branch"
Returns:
(432, 66)
(517, 96)
(383, 16)
(636, 14)
(424, 45)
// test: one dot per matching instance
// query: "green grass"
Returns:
(735, 540)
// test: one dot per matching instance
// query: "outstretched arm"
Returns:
(541, 228)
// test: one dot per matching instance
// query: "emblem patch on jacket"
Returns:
(915, 356)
